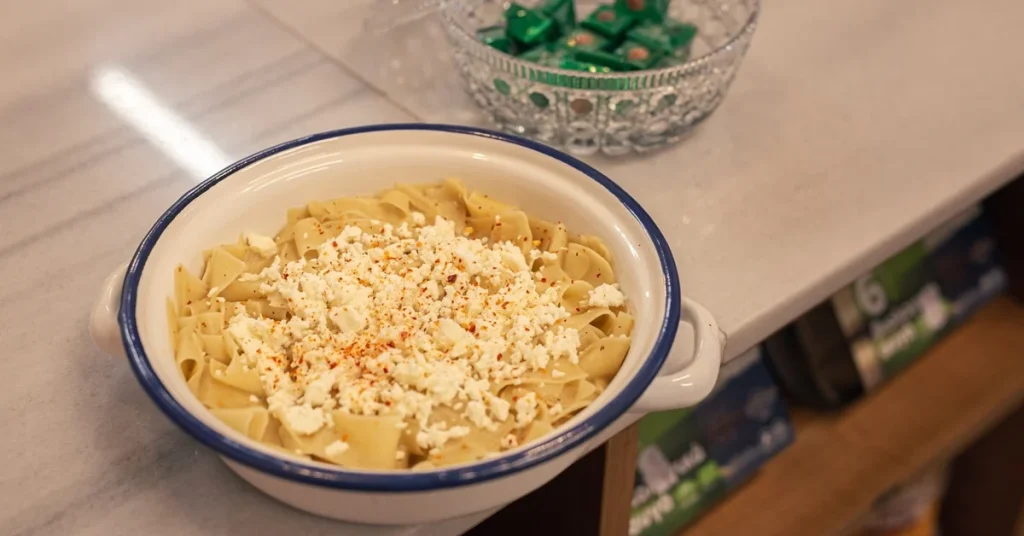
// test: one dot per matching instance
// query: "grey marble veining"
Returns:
(84, 450)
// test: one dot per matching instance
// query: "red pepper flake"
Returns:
(543, 280)
(334, 243)
(387, 403)
(472, 327)
(515, 398)
(285, 277)
(499, 357)
(577, 309)
(452, 278)
(598, 275)
(344, 437)
(386, 369)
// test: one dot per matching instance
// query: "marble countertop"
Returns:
(852, 128)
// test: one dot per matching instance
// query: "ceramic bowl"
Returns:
(253, 195)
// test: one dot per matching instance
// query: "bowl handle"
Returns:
(683, 387)
(103, 319)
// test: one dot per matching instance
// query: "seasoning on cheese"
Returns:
(404, 322)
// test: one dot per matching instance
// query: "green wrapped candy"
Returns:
(496, 37)
(668, 36)
(645, 10)
(677, 57)
(563, 12)
(609, 22)
(582, 39)
(604, 59)
(638, 55)
(527, 26)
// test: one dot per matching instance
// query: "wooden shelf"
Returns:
(841, 462)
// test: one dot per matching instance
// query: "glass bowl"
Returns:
(611, 113)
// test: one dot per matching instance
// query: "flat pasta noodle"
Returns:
(473, 446)
(295, 214)
(172, 324)
(623, 324)
(574, 296)
(604, 357)
(310, 233)
(238, 376)
(578, 395)
(514, 227)
(251, 422)
(372, 440)
(218, 395)
(219, 374)
(221, 270)
(399, 200)
(589, 335)
(190, 360)
(551, 275)
(552, 236)
(584, 264)
(558, 372)
(238, 250)
(536, 430)
(431, 208)
(600, 317)
(596, 245)
(211, 323)
(188, 288)
(262, 307)
(239, 291)
(213, 347)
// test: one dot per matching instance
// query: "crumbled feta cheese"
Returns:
(254, 399)
(526, 409)
(401, 322)
(336, 448)
(304, 419)
(510, 441)
(606, 295)
(264, 246)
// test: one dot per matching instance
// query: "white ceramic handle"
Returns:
(103, 320)
(692, 383)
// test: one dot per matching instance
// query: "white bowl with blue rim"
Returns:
(253, 195)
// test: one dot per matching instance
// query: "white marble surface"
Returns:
(853, 127)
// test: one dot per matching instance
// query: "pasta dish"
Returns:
(427, 326)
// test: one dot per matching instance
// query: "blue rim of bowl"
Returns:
(551, 447)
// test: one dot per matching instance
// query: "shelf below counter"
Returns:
(840, 463)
